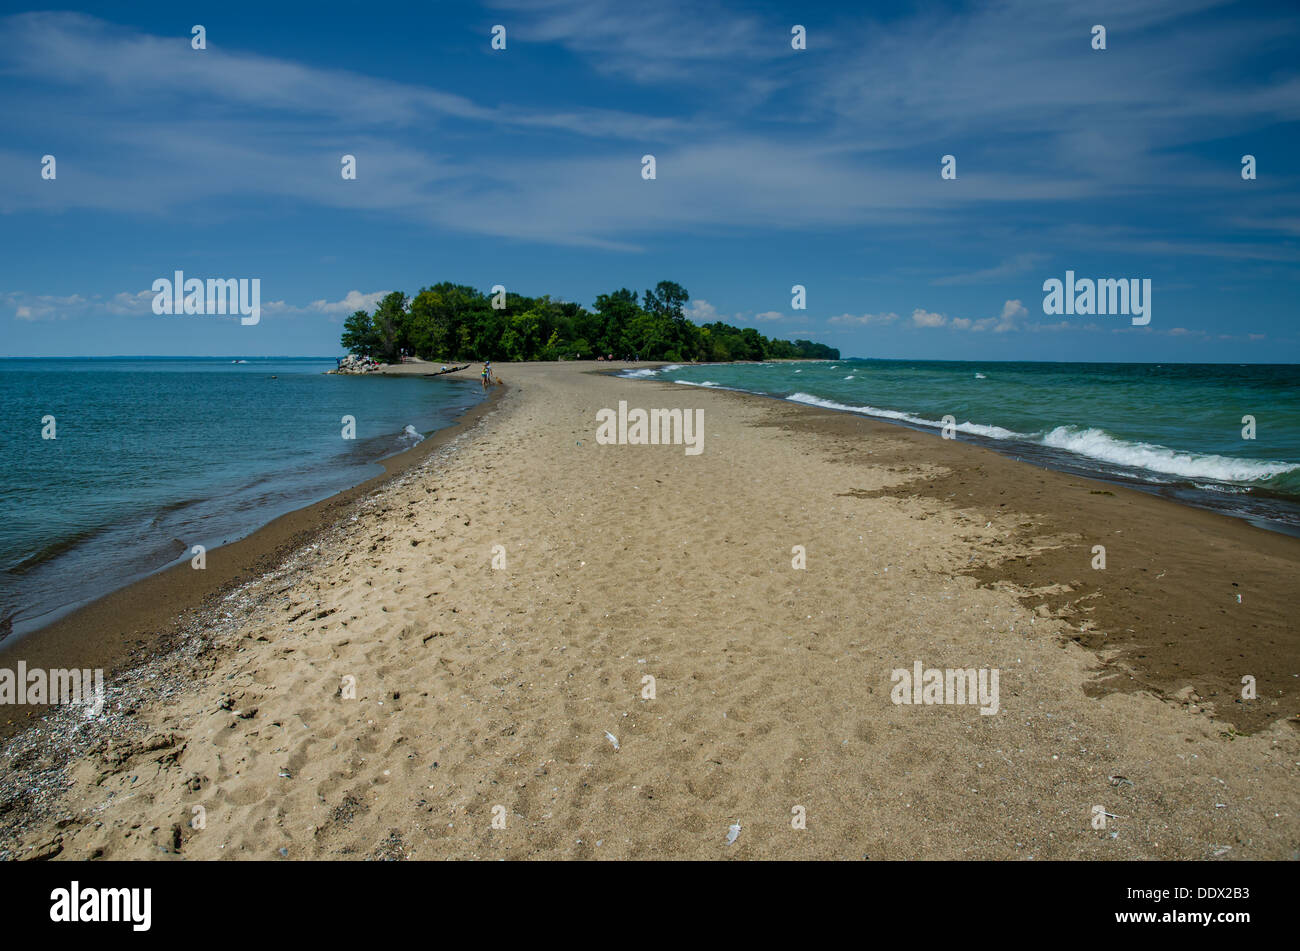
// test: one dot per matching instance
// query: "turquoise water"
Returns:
(154, 456)
(1174, 429)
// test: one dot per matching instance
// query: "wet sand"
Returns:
(145, 618)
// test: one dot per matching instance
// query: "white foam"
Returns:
(978, 429)
(638, 374)
(412, 434)
(1226, 489)
(992, 432)
(1099, 444)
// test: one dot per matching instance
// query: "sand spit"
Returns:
(439, 673)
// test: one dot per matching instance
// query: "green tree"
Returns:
(390, 322)
(668, 299)
(616, 313)
(359, 335)
(523, 338)
(457, 322)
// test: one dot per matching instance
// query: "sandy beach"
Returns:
(452, 663)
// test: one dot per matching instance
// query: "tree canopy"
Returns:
(455, 322)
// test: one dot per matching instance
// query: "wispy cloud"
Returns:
(863, 320)
(671, 43)
(864, 115)
(41, 306)
(35, 307)
(1010, 267)
(135, 72)
(1126, 159)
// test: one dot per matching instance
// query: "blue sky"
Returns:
(775, 167)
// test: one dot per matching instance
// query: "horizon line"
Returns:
(842, 359)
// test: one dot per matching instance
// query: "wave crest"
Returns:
(1099, 444)
(975, 429)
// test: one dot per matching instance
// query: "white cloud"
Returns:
(702, 312)
(864, 319)
(662, 42)
(125, 303)
(824, 152)
(353, 302)
(33, 307)
(76, 49)
(1013, 312)
(924, 318)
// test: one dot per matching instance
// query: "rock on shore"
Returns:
(355, 364)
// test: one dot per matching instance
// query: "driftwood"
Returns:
(451, 370)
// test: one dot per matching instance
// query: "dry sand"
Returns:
(485, 692)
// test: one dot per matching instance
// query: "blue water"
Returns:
(1173, 429)
(154, 456)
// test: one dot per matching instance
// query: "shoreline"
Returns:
(1262, 564)
(1068, 463)
(133, 623)
(624, 561)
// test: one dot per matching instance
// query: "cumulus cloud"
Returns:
(1013, 312)
(925, 318)
(701, 311)
(353, 302)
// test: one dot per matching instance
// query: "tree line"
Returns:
(455, 322)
